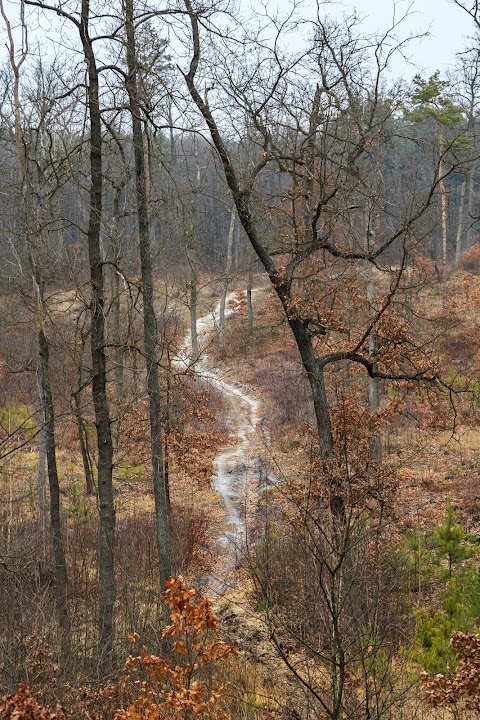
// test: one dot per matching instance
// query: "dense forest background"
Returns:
(239, 309)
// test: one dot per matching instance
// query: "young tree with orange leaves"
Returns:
(179, 687)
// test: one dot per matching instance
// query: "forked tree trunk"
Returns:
(149, 319)
(281, 284)
(313, 367)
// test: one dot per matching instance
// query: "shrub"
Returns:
(17, 420)
(450, 549)
(470, 260)
(462, 689)
(23, 705)
(180, 686)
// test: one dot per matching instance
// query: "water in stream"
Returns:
(237, 464)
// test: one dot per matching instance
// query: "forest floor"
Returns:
(433, 462)
(242, 431)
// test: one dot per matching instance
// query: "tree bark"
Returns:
(42, 459)
(316, 378)
(443, 196)
(106, 565)
(464, 231)
(471, 185)
(281, 284)
(87, 466)
(373, 381)
(149, 319)
(116, 321)
(192, 286)
(471, 204)
(249, 299)
(118, 357)
(167, 438)
(461, 220)
(77, 410)
(61, 578)
(226, 282)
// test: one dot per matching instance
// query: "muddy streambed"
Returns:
(238, 467)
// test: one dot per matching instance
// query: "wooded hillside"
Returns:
(239, 376)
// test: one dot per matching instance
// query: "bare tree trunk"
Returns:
(173, 149)
(118, 357)
(87, 466)
(167, 436)
(466, 216)
(444, 226)
(190, 236)
(281, 284)
(81, 429)
(31, 228)
(61, 579)
(106, 564)
(373, 382)
(461, 220)
(471, 200)
(315, 374)
(228, 270)
(193, 312)
(118, 353)
(249, 299)
(42, 459)
(443, 196)
(149, 319)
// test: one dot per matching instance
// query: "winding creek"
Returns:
(238, 465)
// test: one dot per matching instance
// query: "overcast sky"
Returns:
(448, 26)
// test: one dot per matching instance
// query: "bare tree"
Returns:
(227, 280)
(106, 567)
(321, 122)
(30, 182)
(149, 318)
(468, 97)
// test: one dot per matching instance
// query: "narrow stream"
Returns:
(237, 464)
